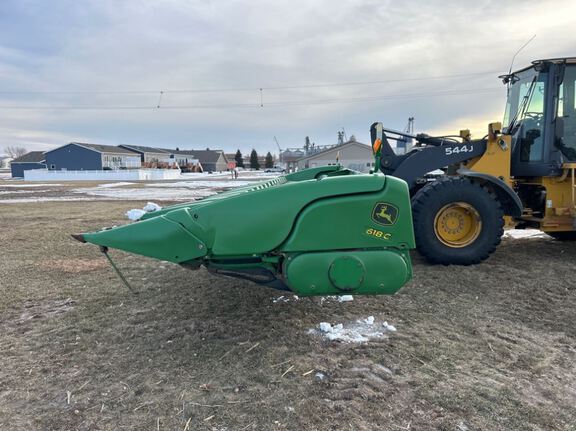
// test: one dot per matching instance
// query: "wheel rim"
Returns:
(457, 224)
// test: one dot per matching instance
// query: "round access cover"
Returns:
(347, 273)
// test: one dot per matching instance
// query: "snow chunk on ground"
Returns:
(389, 327)
(342, 298)
(135, 214)
(368, 321)
(524, 233)
(151, 207)
(285, 299)
(361, 331)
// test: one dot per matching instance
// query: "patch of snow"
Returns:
(320, 376)
(47, 199)
(368, 321)
(285, 299)
(361, 331)
(135, 214)
(325, 327)
(524, 233)
(201, 184)
(151, 207)
(389, 327)
(31, 185)
(19, 192)
(263, 176)
(110, 185)
(342, 298)
(204, 174)
(175, 194)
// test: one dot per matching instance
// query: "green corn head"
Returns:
(320, 231)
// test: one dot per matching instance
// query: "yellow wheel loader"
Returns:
(523, 168)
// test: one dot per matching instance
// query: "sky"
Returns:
(97, 70)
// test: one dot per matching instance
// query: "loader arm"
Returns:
(437, 153)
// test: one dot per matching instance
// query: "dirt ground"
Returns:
(488, 347)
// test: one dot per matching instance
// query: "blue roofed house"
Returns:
(79, 156)
(29, 161)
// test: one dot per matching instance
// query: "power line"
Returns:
(259, 105)
(249, 89)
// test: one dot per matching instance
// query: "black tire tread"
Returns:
(421, 202)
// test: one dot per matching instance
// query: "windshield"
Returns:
(524, 116)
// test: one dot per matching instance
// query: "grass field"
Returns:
(487, 347)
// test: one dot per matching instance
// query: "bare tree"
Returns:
(14, 152)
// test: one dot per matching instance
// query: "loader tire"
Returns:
(456, 221)
(563, 236)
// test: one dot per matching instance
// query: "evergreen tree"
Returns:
(269, 161)
(307, 144)
(239, 160)
(254, 160)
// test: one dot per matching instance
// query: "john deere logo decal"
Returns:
(385, 213)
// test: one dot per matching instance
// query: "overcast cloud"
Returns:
(51, 49)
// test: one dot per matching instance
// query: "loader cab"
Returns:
(541, 117)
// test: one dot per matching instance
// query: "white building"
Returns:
(352, 155)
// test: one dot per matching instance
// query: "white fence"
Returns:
(116, 175)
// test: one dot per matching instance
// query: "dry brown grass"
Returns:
(488, 347)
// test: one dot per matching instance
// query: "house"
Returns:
(231, 157)
(351, 154)
(29, 161)
(186, 161)
(80, 156)
(210, 160)
(151, 155)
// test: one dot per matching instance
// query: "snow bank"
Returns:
(361, 331)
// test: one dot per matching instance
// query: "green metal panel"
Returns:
(347, 222)
(158, 237)
(259, 220)
(384, 272)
